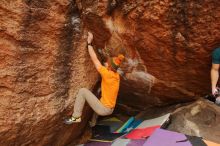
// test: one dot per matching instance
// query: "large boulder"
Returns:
(44, 62)
(200, 118)
(167, 43)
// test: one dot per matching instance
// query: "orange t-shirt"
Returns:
(109, 87)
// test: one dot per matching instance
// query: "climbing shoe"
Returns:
(72, 120)
(210, 98)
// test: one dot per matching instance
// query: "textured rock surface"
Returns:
(44, 60)
(168, 44)
(42, 67)
(198, 119)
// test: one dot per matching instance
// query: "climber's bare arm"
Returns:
(92, 53)
(214, 77)
(94, 58)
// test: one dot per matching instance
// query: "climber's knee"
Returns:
(104, 112)
(82, 91)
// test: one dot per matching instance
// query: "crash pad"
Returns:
(114, 123)
(108, 137)
(154, 122)
(128, 142)
(102, 133)
(162, 137)
(97, 144)
(141, 133)
(100, 129)
(113, 119)
(121, 142)
(138, 142)
(125, 125)
(132, 126)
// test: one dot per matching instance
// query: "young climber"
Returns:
(215, 74)
(109, 87)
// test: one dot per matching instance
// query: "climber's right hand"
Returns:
(214, 91)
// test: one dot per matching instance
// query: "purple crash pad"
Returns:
(163, 137)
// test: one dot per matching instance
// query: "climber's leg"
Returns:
(86, 95)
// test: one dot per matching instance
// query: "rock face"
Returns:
(44, 60)
(167, 43)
